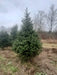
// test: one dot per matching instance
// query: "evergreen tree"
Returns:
(28, 44)
(13, 33)
(4, 39)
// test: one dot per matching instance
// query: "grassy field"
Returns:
(44, 64)
(48, 45)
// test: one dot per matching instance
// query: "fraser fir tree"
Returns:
(27, 44)
(13, 34)
(4, 39)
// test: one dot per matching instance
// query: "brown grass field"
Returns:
(44, 64)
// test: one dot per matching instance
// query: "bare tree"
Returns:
(39, 21)
(52, 18)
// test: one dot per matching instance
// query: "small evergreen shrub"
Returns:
(4, 39)
(28, 43)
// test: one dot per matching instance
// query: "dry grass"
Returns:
(49, 41)
(48, 45)
(46, 62)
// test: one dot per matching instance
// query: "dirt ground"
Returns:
(44, 64)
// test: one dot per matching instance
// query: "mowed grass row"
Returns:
(49, 45)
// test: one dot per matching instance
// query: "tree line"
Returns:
(46, 21)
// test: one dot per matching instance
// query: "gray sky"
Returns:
(12, 11)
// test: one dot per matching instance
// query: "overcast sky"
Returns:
(12, 11)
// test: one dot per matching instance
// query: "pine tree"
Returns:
(13, 34)
(4, 39)
(28, 44)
